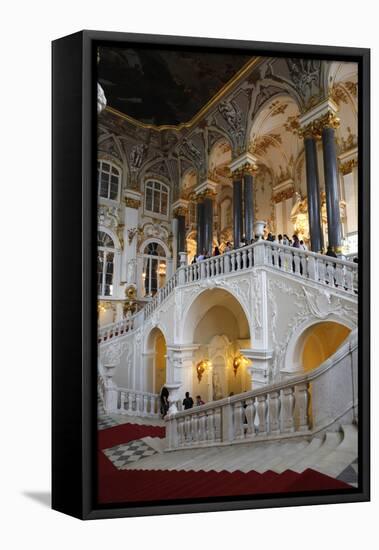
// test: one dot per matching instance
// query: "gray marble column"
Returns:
(208, 225)
(313, 192)
(200, 228)
(332, 189)
(248, 198)
(237, 212)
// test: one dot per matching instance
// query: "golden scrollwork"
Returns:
(314, 129)
(245, 169)
(180, 211)
(347, 166)
(132, 203)
(283, 195)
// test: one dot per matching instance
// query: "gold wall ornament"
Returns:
(338, 94)
(132, 203)
(352, 88)
(239, 361)
(329, 120)
(201, 367)
(277, 108)
(245, 169)
(292, 124)
(347, 166)
(180, 211)
(131, 292)
(261, 144)
(284, 195)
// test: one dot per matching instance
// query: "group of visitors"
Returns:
(188, 402)
(284, 240)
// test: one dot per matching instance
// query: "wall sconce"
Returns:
(238, 361)
(200, 368)
(101, 308)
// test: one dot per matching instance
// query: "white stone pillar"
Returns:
(132, 203)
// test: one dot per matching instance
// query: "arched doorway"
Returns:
(319, 342)
(156, 361)
(217, 325)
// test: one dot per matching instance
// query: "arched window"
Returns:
(156, 197)
(154, 268)
(105, 264)
(108, 180)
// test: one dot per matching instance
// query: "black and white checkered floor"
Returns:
(122, 455)
(350, 474)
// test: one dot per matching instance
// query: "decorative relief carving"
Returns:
(305, 74)
(261, 144)
(136, 156)
(277, 108)
(109, 216)
(311, 304)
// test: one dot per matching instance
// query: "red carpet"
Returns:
(136, 486)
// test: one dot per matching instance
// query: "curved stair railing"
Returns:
(331, 272)
(303, 405)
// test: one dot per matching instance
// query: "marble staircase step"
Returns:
(329, 443)
(290, 461)
(334, 463)
(286, 452)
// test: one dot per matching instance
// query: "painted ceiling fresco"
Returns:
(164, 86)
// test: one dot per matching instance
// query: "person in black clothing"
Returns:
(164, 401)
(187, 401)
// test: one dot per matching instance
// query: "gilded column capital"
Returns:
(180, 211)
(320, 116)
(347, 166)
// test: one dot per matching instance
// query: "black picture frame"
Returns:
(74, 356)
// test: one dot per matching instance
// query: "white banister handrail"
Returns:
(334, 272)
(276, 410)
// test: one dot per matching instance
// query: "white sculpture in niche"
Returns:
(101, 99)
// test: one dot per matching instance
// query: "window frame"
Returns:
(101, 161)
(164, 189)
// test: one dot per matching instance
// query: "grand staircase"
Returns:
(322, 463)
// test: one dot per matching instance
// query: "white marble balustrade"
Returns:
(278, 410)
(119, 328)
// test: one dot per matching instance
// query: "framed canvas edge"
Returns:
(88, 376)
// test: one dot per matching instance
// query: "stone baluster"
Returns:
(262, 414)
(296, 260)
(330, 273)
(187, 429)
(250, 416)
(138, 403)
(339, 275)
(250, 257)
(122, 402)
(225, 258)
(304, 265)
(239, 415)
(350, 283)
(152, 401)
(195, 427)
(321, 271)
(130, 402)
(145, 401)
(288, 261)
(202, 426)
(238, 260)
(181, 431)
(233, 261)
(217, 421)
(274, 412)
(288, 404)
(302, 398)
(210, 425)
(275, 257)
(243, 259)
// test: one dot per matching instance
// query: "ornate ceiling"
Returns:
(164, 87)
